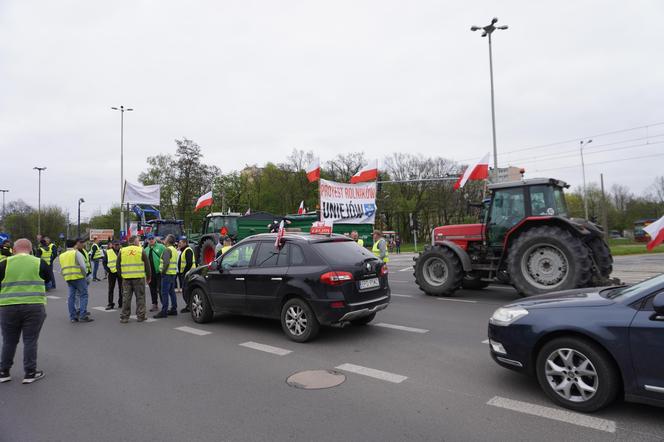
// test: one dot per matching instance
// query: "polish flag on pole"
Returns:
(478, 171)
(300, 210)
(656, 232)
(367, 173)
(204, 201)
(280, 234)
(313, 171)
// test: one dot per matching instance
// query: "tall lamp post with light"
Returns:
(78, 224)
(122, 110)
(3, 203)
(486, 32)
(39, 170)
(583, 173)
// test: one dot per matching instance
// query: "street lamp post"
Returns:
(3, 203)
(583, 173)
(487, 31)
(39, 170)
(78, 225)
(122, 110)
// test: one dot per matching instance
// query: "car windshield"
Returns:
(342, 252)
(643, 287)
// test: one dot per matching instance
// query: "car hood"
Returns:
(586, 297)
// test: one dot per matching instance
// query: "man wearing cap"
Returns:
(110, 262)
(134, 269)
(154, 251)
(186, 260)
(22, 309)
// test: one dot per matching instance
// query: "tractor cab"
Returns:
(513, 202)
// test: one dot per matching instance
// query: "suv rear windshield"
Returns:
(342, 252)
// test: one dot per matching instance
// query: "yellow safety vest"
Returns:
(71, 271)
(183, 261)
(376, 251)
(22, 283)
(225, 249)
(3, 257)
(86, 258)
(97, 254)
(360, 242)
(112, 258)
(131, 262)
(46, 253)
(172, 262)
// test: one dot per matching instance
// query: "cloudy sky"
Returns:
(251, 80)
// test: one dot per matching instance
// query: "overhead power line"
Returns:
(603, 162)
(574, 155)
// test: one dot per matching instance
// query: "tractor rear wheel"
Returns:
(602, 256)
(548, 258)
(438, 271)
(208, 252)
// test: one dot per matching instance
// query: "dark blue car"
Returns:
(589, 346)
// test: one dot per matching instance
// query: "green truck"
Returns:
(237, 227)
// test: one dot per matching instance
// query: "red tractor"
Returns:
(526, 240)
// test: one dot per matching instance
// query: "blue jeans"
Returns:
(77, 287)
(168, 291)
(51, 284)
(95, 267)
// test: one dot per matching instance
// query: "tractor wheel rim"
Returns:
(571, 375)
(545, 266)
(435, 271)
(197, 305)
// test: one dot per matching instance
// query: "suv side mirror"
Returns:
(658, 304)
(213, 266)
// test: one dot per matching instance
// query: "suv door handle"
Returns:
(276, 279)
(239, 279)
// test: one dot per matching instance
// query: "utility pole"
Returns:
(3, 203)
(39, 170)
(122, 110)
(605, 215)
(583, 173)
(487, 31)
(78, 224)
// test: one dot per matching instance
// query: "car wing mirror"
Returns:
(213, 265)
(658, 304)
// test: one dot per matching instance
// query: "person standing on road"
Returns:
(356, 237)
(397, 245)
(110, 262)
(6, 250)
(47, 251)
(380, 246)
(23, 281)
(134, 269)
(74, 269)
(154, 251)
(169, 271)
(186, 261)
(95, 256)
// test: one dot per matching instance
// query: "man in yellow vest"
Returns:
(168, 268)
(380, 246)
(48, 252)
(73, 268)
(96, 255)
(356, 237)
(134, 269)
(110, 265)
(186, 261)
(22, 309)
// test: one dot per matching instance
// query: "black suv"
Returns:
(309, 280)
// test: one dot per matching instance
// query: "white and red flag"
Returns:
(248, 212)
(656, 232)
(367, 173)
(313, 171)
(477, 171)
(204, 201)
(300, 210)
(280, 234)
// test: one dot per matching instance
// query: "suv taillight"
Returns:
(336, 278)
(383, 270)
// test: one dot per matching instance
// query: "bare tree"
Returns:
(621, 196)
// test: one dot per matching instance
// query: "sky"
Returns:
(250, 81)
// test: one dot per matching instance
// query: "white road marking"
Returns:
(486, 341)
(373, 373)
(52, 297)
(103, 309)
(457, 300)
(406, 269)
(402, 296)
(193, 331)
(266, 348)
(402, 328)
(555, 414)
(147, 319)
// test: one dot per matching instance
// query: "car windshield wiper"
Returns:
(612, 292)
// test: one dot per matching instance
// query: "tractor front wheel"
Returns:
(548, 258)
(438, 271)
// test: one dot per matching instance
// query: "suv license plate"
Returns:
(369, 283)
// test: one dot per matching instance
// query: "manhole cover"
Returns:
(316, 379)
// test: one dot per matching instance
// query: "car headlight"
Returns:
(507, 315)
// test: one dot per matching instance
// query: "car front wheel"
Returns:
(298, 321)
(577, 374)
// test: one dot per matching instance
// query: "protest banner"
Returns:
(343, 203)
